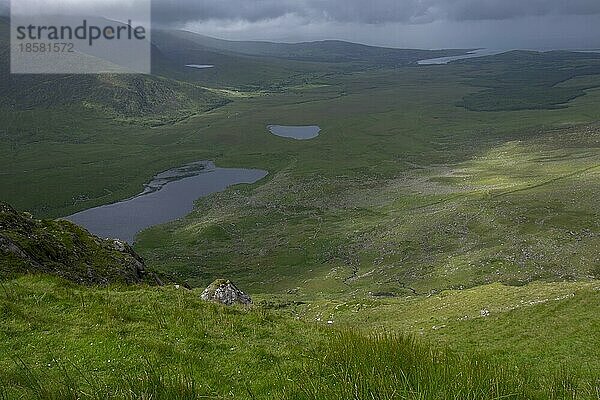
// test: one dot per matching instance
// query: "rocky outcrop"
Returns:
(225, 292)
(135, 260)
(29, 245)
(8, 247)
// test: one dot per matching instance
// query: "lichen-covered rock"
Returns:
(225, 292)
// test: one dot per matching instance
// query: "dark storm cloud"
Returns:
(201, 10)
(499, 24)
(506, 9)
(365, 11)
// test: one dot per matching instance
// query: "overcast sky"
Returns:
(500, 24)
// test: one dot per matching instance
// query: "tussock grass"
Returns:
(388, 366)
(62, 341)
(354, 366)
(150, 381)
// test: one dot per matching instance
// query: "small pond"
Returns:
(295, 132)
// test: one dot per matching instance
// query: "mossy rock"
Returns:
(61, 248)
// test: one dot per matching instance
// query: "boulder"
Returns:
(225, 292)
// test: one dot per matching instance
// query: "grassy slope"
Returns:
(541, 327)
(135, 98)
(112, 335)
(64, 341)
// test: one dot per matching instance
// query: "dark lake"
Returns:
(169, 196)
(295, 132)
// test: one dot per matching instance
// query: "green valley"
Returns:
(438, 240)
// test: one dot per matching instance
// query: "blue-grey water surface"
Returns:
(471, 54)
(295, 132)
(169, 196)
(200, 66)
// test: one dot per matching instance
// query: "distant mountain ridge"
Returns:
(327, 51)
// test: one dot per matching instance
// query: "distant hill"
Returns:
(529, 80)
(325, 51)
(120, 96)
(28, 245)
(231, 70)
(267, 66)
